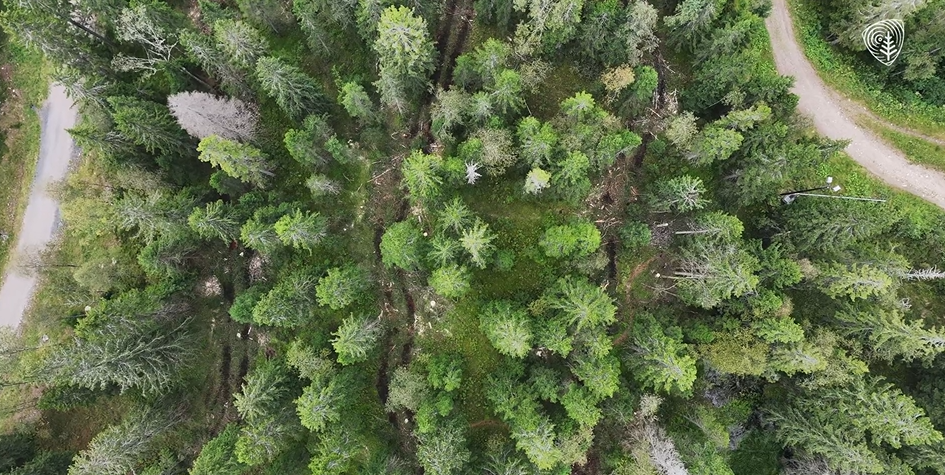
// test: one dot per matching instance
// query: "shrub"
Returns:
(450, 282)
(445, 372)
(242, 309)
(218, 456)
(67, 396)
(407, 390)
(341, 287)
(505, 260)
(635, 235)
(401, 246)
(576, 240)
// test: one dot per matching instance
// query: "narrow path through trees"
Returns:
(42, 212)
(833, 119)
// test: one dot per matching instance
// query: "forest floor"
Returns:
(42, 211)
(834, 117)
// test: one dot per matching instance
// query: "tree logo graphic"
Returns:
(884, 40)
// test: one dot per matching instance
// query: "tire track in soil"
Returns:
(465, 15)
(633, 276)
(443, 33)
(616, 184)
(489, 423)
(382, 381)
(446, 36)
(455, 38)
(226, 390)
(449, 40)
(660, 65)
(612, 259)
(223, 391)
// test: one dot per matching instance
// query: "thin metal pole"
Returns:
(803, 191)
(841, 197)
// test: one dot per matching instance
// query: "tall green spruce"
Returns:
(286, 250)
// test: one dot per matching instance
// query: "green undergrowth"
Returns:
(920, 220)
(518, 224)
(856, 79)
(916, 149)
(562, 82)
(918, 230)
(757, 454)
(23, 84)
(47, 319)
(857, 181)
(223, 348)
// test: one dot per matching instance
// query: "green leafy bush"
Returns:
(577, 240)
(635, 235)
(242, 308)
(341, 287)
(402, 246)
(218, 457)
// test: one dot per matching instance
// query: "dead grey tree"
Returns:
(202, 115)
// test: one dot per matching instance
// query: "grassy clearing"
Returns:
(917, 150)
(857, 181)
(70, 429)
(222, 358)
(55, 301)
(562, 82)
(921, 221)
(518, 225)
(855, 79)
(924, 244)
(24, 75)
(466, 339)
(57, 292)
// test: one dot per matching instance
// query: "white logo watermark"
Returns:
(884, 40)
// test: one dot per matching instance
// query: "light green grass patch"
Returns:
(518, 224)
(916, 149)
(562, 82)
(920, 219)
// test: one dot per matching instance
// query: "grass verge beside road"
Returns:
(852, 78)
(24, 80)
(916, 150)
(921, 219)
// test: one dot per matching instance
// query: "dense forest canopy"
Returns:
(490, 236)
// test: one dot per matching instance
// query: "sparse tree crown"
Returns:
(203, 115)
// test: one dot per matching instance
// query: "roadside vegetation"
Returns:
(23, 87)
(910, 94)
(541, 237)
(918, 150)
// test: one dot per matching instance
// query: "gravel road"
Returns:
(42, 212)
(832, 116)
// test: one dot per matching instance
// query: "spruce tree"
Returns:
(241, 161)
(405, 55)
(296, 92)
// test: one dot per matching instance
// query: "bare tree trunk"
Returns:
(90, 32)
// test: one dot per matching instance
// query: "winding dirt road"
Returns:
(832, 116)
(41, 219)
